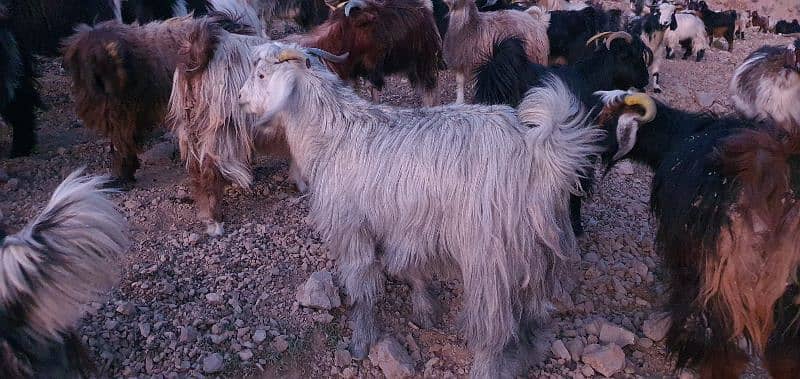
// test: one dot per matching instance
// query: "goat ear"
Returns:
(673, 24)
(627, 129)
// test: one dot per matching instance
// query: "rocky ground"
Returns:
(241, 306)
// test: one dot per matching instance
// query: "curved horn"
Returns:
(615, 35)
(353, 4)
(489, 3)
(645, 102)
(291, 55)
(330, 57)
(598, 36)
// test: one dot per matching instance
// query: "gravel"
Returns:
(190, 306)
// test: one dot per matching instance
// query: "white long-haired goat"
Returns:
(413, 191)
(66, 257)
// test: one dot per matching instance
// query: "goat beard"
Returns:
(749, 272)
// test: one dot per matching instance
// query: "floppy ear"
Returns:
(627, 128)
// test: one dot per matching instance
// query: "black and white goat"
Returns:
(618, 62)
(690, 33)
(66, 257)
(651, 30)
(718, 24)
(767, 84)
(728, 230)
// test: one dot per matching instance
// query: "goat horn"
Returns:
(290, 55)
(489, 3)
(627, 37)
(598, 36)
(330, 57)
(353, 4)
(645, 102)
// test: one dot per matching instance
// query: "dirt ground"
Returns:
(160, 322)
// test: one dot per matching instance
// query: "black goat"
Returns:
(718, 24)
(18, 96)
(786, 27)
(725, 200)
(651, 29)
(619, 63)
(144, 11)
(569, 30)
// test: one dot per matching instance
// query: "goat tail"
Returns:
(559, 133)
(197, 47)
(502, 78)
(65, 257)
(748, 273)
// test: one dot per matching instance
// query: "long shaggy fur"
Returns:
(19, 97)
(65, 257)
(569, 30)
(385, 37)
(414, 191)
(305, 13)
(767, 85)
(691, 32)
(471, 34)
(651, 29)
(216, 138)
(122, 77)
(724, 196)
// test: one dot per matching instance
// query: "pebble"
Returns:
(392, 358)
(559, 350)
(620, 336)
(213, 363)
(607, 360)
(575, 348)
(126, 309)
(188, 334)
(245, 355)
(280, 344)
(214, 298)
(259, 336)
(656, 326)
(342, 357)
(144, 329)
(318, 292)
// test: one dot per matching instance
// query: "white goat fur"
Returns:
(689, 27)
(65, 257)
(413, 191)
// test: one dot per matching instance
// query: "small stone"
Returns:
(214, 298)
(342, 357)
(611, 333)
(132, 204)
(318, 292)
(348, 373)
(188, 334)
(656, 326)
(159, 154)
(280, 344)
(559, 350)
(625, 168)
(607, 360)
(126, 309)
(575, 348)
(587, 371)
(245, 355)
(259, 336)
(213, 363)
(392, 358)
(144, 329)
(645, 343)
(705, 99)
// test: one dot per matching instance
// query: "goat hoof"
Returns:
(359, 350)
(215, 229)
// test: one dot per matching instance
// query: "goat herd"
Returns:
(493, 188)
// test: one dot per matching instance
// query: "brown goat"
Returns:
(383, 37)
(122, 76)
(761, 22)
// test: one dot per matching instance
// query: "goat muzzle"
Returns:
(645, 102)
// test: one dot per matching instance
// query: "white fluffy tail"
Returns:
(65, 257)
(562, 138)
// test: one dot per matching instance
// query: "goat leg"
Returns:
(460, 82)
(361, 274)
(424, 306)
(207, 188)
(20, 115)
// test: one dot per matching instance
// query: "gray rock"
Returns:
(318, 292)
(705, 99)
(213, 363)
(610, 333)
(280, 344)
(392, 358)
(559, 350)
(188, 334)
(144, 328)
(126, 309)
(575, 348)
(160, 154)
(656, 326)
(342, 357)
(625, 168)
(607, 360)
(259, 336)
(245, 355)
(214, 298)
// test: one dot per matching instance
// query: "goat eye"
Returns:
(261, 76)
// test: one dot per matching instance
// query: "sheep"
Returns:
(427, 205)
(470, 36)
(651, 30)
(767, 84)
(691, 32)
(619, 63)
(569, 30)
(19, 98)
(122, 77)
(728, 221)
(217, 140)
(718, 24)
(384, 38)
(67, 256)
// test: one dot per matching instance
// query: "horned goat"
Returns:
(217, 139)
(728, 224)
(384, 37)
(767, 84)
(121, 80)
(427, 205)
(470, 35)
(691, 33)
(145, 11)
(718, 24)
(619, 62)
(66, 257)
(651, 30)
(18, 95)
(569, 30)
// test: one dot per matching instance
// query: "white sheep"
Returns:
(484, 189)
